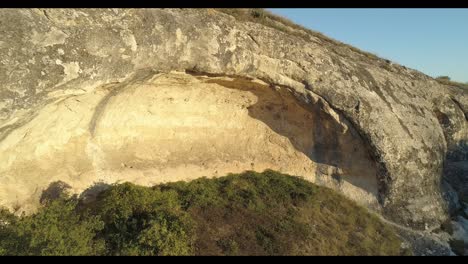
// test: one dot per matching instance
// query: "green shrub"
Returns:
(143, 221)
(244, 214)
(56, 230)
(257, 14)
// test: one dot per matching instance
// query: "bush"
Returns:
(246, 214)
(56, 230)
(443, 78)
(143, 221)
(257, 13)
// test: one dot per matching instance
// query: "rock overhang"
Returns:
(390, 106)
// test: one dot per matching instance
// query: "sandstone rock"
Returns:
(175, 94)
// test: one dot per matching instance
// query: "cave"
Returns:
(178, 126)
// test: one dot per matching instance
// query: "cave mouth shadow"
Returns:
(313, 131)
(454, 189)
(454, 180)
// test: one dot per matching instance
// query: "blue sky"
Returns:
(433, 41)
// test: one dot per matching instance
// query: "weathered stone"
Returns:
(99, 95)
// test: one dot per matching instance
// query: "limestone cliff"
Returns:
(156, 95)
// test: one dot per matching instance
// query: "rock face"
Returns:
(149, 96)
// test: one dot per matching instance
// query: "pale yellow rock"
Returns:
(171, 127)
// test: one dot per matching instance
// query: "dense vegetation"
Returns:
(248, 214)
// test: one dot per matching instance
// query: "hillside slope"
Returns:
(248, 214)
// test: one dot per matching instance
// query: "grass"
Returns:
(246, 214)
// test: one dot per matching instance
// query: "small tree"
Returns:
(443, 78)
(258, 13)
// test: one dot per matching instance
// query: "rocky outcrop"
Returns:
(149, 95)
(173, 126)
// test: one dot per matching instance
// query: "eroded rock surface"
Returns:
(149, 95)
(166, 127)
